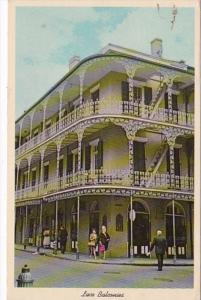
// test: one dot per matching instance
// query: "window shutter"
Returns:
(147, 95)
(139, 156)
(69, 163)
(87, 157)
(168, 160)
(99, 156)
(125, 90)
(81, 158)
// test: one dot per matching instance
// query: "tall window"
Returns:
(119, 222)
(46, 173)
(147, 95)
(33, 181)
(137, 94)
(139, 156)
(61, 163)
(125, 91)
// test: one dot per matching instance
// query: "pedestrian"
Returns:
(63, 234)
(46, 238)
(160, 244)
(104, 239)
(38, 243)
(92, 243)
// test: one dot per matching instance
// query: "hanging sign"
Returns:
(132, 215)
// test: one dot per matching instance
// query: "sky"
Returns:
(47, 37)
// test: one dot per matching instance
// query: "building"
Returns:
(114, 135)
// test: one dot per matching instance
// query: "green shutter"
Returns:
(87, 157)
(69, 163)
(99, 156)
(125, 91)
(147, 95)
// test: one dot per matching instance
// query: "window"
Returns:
(87, 157)
(147, 95)
(99, 155)
(33, 182)
(61, 167)
(119, 222)
(139, 156)
(137, 94)
(46, 173)
(125, 90)
(69, 163)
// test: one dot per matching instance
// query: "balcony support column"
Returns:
(56, 228)
(78, 227)
(169, 80)
(81, 77)
(20, 136)
(42, 154)
(26, 227)
(80, 133)
(131, 160)
(28, 174)
(17, 176)
(31, 124)
(40, 229)
(58, 157)
(171, 143)
(131, 68)
(44, 113)
(60, 102)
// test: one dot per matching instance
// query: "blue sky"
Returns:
(47, 37)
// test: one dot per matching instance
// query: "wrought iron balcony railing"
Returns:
(106, 177)
(96, 108)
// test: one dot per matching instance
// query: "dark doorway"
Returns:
(141, 231)
(180, 231)
(94, 217)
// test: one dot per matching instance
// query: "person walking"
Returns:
(92, 243)
(160, 244)
(63, 239)
(46, 238)
(104, 239)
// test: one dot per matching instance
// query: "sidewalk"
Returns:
(112, 261)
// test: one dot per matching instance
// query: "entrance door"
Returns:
(180, 231)
(141, 231)
(94, 217)
(73, 229)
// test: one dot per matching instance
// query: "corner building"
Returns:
(115, 134)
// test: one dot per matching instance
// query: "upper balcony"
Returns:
(95, 87)
(96, 108)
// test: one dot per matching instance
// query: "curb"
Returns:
(110, 263)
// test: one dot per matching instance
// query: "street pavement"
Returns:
(53, 272)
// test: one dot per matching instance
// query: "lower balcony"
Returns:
(97, 108)
(144, 180)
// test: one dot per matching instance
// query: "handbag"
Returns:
(101, 248)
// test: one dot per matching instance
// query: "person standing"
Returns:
(46, 238)
(160, 244)
(104, 239)
(92, 243)
(63, 239)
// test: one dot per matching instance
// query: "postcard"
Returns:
(104, 180)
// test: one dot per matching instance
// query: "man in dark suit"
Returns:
(160, 244)
(63, 239)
